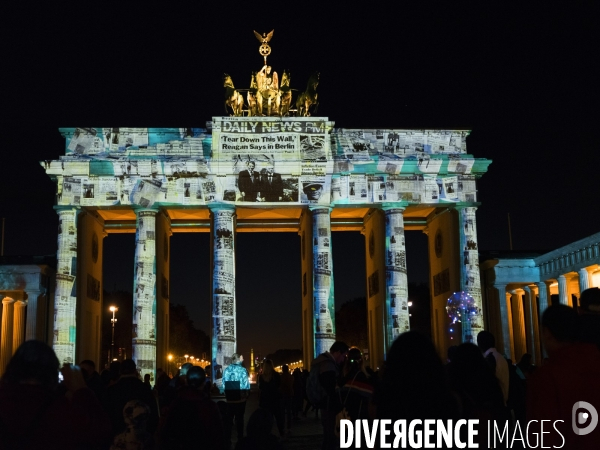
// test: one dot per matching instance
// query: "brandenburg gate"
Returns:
(245, 174)
(262, 169)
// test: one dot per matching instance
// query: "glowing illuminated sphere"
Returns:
(460, 303)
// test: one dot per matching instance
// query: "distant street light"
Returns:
(114, 309)
(186, 357)
(170, 357)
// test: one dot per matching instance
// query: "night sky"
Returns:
(523, 78)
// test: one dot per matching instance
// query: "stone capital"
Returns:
(388, 206)
(138, 209)
(584, 279)
(462, 205)
(313, 208)
(62, 208)
(216, 206)
(33, 293)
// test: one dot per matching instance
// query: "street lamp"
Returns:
(186, 357)
(170, 357)
(114, 309)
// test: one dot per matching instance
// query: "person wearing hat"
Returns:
(313, 191)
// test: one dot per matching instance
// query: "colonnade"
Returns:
(78, 302)
(525, 287)
(23, 313)
(13, 329)
(79, 276)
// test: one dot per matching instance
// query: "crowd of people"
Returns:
(477, 382)
(118, 410)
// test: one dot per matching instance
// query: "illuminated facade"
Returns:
(518, 288)
(244, 174)
(27, 294)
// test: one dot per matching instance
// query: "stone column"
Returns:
(544, 293)
(6, 341)
(470, 281)
(65, 294)
(36, 311)
(395, 275)
(590, 271)
(324, 308)
(531, 321)
(378, 299)
(224, 330)
(163, 236)
(143, 345)
(584, 280)
(563, 290)
(306, 272)
(18, 325)
(506, 322)
(520, 341)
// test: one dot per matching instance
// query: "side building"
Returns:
(27, 293)
(518, 287)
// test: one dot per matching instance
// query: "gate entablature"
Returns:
(310, 164)
(196, 219)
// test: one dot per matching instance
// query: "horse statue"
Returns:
(309, 97)
(285, 94)
(253, 109)
(233, 98)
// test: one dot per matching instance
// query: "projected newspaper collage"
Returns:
(144, 294)
(324, 306)
(272, 161)
(223, 303)
(65, 294)
(470, 272)
(395, 274)
(267, 161)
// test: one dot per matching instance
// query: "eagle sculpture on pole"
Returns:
(265, 48)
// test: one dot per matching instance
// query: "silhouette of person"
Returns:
(571, 376)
